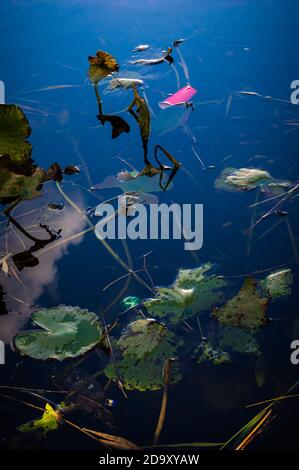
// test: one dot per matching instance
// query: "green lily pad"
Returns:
(243, 179)
(14, 130)
(130, 302)
(192, 293)
(278, 283)
(141, 337)
(246, 310)
(239, 340)
(66, 332)
(147, 373)
(101, 65)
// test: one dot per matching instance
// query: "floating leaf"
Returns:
(130, 182)
(147, 373)
(67, 332)
(141, 337)
(238, 340)
(192, 293)
(246, 310)
(48, 422)
(101, 65)
(243, 179)
(130, 302)
(278, 283)
(14, 130)
(16, 185)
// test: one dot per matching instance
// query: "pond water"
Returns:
(230, 47)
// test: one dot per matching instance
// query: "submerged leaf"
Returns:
(278, 283)
(212, 355)
(243, 179)
(48, 422)
(101, 65)
(66, 332)
(14, 130)
(147, 373)
(246, 310)
(192, 293)
(238, 340)
(141, 337)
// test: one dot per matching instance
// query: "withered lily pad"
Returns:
(239, 340)
(66, 332)
(278, 283)
(101, 65)
(192, 293)
(15, 185)
(14, 130)
(141, 337)
(147, 373)
(246, 310)
(243, 179)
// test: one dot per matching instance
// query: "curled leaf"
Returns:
(101, 65)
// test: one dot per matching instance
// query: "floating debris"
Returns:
(56, 206)
(177, 42)
(71, 170)
(181, 97)
(165, 58)
(125, 83)
(243, 179)
(141, 48)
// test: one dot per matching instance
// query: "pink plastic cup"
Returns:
(182, 96)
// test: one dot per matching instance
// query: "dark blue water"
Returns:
(230, 46)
